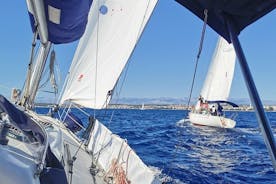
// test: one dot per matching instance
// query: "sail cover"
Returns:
(66, 20)
(112, 32)
(218, 82)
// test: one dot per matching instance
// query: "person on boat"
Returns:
(200, 99)
(199, 106)
(220, 108)
(204, 108)
(213, 110)
(205, 105)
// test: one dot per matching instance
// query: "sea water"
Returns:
(184, 153)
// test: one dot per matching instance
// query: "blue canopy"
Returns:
(66, 19)
(223, 102)
(242, 12)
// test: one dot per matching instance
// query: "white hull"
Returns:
(209, 120)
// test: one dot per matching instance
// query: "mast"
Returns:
(36, 7)
(38, 70)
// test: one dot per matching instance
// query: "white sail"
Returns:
(218, 82)
(113, 29)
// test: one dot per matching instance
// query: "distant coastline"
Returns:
(245, 107)
(183, 107)
(168, 103)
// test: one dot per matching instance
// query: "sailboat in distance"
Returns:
(216, 89)
(142, 107)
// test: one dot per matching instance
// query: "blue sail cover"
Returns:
(242, 12)
(66, 19)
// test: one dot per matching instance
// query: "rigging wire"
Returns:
(118, 92)
(110, 93)
(97, 56)
(179, 133)
(5, 87)
(26, 94)
(198, 54)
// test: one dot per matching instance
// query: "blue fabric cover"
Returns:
(242, 12)
(53, 176)
(22, 121)
(73, 20)
(54, 172)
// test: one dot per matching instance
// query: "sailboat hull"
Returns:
(105, 150)
(209, 120)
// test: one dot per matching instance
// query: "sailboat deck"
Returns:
(83, 162)
(72, 148)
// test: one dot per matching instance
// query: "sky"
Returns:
(163, 62)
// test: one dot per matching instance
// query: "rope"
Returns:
(198, 54)
(116, 170)
(117, 173)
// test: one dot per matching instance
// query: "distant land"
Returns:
(183, 101)
(172, 103)
(159, 101)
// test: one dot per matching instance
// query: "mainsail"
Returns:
(113, 29)
(218, 82)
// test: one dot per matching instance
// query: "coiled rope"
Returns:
(116, 171)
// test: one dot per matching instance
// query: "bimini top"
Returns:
(242, 12)
(65, 19)
(223, 102)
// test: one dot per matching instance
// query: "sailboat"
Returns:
(228, 19)
(142, 107)
(216, 89)
(42, 149)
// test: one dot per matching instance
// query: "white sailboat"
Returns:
(41, 149)
(216, 89)
(142, 107)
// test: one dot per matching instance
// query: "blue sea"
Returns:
(184, 153)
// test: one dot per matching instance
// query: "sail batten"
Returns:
(112, 32)
(218, 82)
